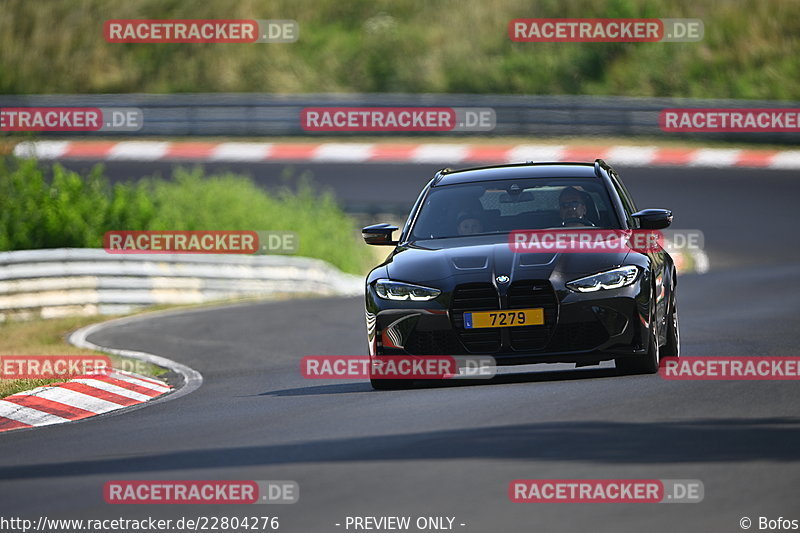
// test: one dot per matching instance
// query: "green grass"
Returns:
(48, 337)
(750, 49)
(51, 207)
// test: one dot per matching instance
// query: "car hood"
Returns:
(468, 259)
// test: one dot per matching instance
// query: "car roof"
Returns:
(515, 171)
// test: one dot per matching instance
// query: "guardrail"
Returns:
(70, 281)
(253, 114)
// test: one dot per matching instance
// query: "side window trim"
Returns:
(412, 216)
(627, 194)
(627, 203)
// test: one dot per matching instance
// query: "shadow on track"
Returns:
(699, 441)
(522, 377)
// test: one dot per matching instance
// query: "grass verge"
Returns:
(48, 337)
(749, 49)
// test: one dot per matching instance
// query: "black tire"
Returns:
(673, 346)
(648, 363)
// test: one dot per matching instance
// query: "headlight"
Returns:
(610, 279)
(395, 290)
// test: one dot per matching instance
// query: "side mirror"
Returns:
(380, 234)
(653, 218)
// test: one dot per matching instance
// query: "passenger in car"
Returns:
(469, 224)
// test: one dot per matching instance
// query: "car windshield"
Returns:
(503, 206)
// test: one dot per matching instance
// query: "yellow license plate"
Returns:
(504, 319)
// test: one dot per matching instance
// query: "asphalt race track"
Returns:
(452, 451)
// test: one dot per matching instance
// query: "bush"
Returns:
(53, 208)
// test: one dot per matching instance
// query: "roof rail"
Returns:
(440, 174)
(598, 164)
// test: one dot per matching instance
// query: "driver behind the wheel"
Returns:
(572, 206)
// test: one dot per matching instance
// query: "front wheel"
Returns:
(673, 346)
(648, 363)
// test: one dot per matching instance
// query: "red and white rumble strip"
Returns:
(405, 153)
(77, 398)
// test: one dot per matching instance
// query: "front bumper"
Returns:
(579, 327)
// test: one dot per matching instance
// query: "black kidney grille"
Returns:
(475, 297)
(533, 293)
